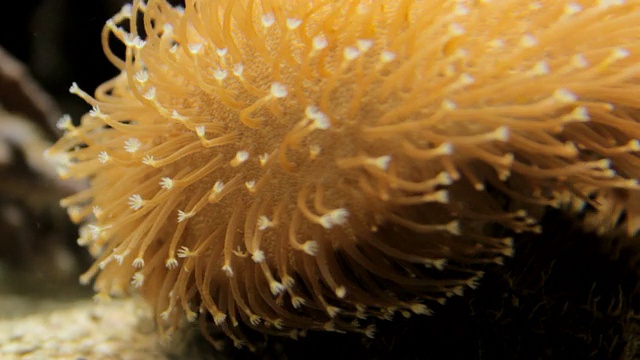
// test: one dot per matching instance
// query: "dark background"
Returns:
(59, 41)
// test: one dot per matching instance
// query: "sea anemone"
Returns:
(316, 164)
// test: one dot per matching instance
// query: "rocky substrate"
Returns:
(118, 330)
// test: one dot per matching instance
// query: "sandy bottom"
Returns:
(78, 330)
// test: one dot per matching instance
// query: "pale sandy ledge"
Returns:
(117, 329)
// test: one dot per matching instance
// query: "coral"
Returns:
(314, 165)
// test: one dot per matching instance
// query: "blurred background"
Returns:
(59, 41)
(48, 44)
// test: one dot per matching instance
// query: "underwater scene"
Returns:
(322, 179)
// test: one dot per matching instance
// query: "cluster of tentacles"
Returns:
(319, 164)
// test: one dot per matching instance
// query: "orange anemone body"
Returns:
(311, 165)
